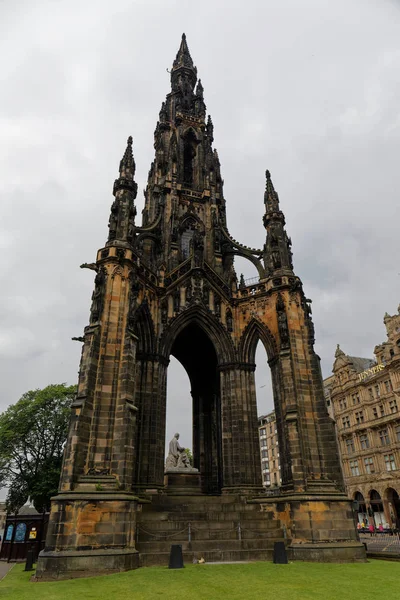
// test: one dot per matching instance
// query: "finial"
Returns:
(199, 89)
(339, 352)
(128, 163)
(270, 197)
(183, 58)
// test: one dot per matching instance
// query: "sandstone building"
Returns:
(269, 450)
(364, 397)
(168, 287)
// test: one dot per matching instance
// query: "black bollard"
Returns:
(280, 556)
(176, 557)
(29, 561)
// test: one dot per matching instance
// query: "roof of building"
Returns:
(28, 509)
(361, 364)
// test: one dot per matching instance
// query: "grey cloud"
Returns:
(309, 90)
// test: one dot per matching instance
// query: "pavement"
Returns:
(381, 543)
(4, 568)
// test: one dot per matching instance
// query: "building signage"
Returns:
(371, 371)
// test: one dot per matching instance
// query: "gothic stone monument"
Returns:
(168, 287)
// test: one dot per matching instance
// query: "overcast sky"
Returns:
(309, 90)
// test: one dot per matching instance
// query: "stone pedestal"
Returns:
(89, 533)
(319, 526)
(182, 481)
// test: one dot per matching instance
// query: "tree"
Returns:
(32, 436)
(189, 455)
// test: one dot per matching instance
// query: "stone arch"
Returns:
(253, 332)
(361, 507)
(253, 259)
(392, 502)
(144, 330)
(198, 315)
(377, 509)
(188, 225)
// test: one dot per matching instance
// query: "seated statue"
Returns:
(177, 457)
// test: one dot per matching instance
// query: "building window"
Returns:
(364, 441)
(263, 443)
(356, 398)
(375, 412)
(354, 468)
(350, 445)
(342, 404)
(369, 465)
(389, 462)
(377, 392)
(359, 417)
(273, 452)
(346, 422)
(371, 393)
(393, 406)
(397, 433)
(388, 385)
(263, 431)
(267, 479)
(384, 437)
(382, 410)
(264, 453)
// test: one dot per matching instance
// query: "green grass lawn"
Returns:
(253, 581)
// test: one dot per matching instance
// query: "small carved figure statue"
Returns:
(97, 296)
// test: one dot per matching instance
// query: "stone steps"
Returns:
(146, 535)
(214, 529)
(208, 545)
(149, 559)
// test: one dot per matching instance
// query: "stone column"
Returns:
(151, 404)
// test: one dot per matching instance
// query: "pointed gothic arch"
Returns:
(144, 330)
(254, 332)
(214, 329)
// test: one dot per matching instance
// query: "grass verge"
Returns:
(253, 581)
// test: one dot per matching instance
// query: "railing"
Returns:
(252, 280)
(188, 530)
(381, 541)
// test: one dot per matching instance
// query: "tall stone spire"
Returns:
(127, 166)
(183, 58)
(183, 72)
(277, 249)
(123, 211)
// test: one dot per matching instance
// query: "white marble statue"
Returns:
(177, 459)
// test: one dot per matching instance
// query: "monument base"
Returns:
(70, 564)
(319, 526)
(182, 481)
(89, 533)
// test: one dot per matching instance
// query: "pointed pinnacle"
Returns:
(270, 193)
(183, 58)
(128, 162)
(199, 89)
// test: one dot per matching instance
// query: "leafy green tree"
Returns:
(189, 455)
(32, 436)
